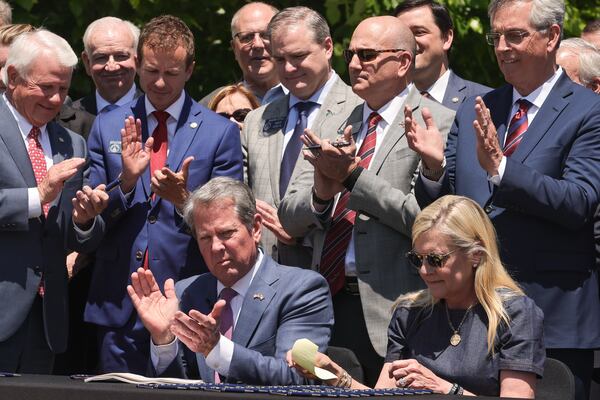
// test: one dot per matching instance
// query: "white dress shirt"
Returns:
(221, 355)
(437, 91)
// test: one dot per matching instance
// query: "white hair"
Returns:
(544, 13)
(236, 16)
(5, 13)
(589, 66)
(27, 47)
(105, 23)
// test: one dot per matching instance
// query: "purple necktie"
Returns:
(226, 325)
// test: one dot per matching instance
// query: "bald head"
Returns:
(379, 76)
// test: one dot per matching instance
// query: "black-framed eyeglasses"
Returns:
(513, 36)
(247, 38)
(433, 259)
(366, 55)
(239, 115)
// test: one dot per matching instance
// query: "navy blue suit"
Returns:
(459, 89)
(542, 210)
(140, 222)
(282, 304)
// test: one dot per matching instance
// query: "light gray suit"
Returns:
(385, 206)
(262, 142)
(36, 246)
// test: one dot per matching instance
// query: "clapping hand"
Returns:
(199, 332)
(135, 155)
(488, 148)
(88, 203)
(427, 141)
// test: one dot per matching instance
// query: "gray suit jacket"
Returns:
(386, 208)
(282, 304)
(36, 246)
(459, 89)
(262, 141)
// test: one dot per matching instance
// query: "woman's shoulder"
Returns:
(519, 305)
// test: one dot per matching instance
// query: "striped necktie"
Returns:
(338, 236)
(517, 128)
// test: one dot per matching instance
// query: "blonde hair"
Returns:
(8, 33)
(468, 228)
(228, 91)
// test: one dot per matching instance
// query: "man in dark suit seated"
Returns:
(109, 59)
(432, 26)
(170, 146)
(41, 177)
(529, 153)
(237, 322)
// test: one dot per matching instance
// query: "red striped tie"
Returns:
(338, 236)
(517, 128)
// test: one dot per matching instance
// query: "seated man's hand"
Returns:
(87, 204)
(156, 311)
(199, 332)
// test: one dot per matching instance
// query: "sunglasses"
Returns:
(247, 38)
(366, 55)
(239, 115)
(433, 259)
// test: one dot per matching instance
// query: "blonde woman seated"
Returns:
(472, 331)
(234, 102)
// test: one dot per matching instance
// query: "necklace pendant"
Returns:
(455, 339)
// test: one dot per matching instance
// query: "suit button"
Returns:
(489, 208)
(152, 219)
(139, 255)
(37, 269)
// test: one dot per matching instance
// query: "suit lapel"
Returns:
(547, 114)
(188, 125)
(11, 135)
(277, 111)
(89, 103)
(333, 105)
(253, 306)
(454, 89)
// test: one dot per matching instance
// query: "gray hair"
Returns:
(105, 23)
(544, 13)
(296, 15)
(216, 190)
(5, 13)
(27, 47)
(236, 16)
(589, 66)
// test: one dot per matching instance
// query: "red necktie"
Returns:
(338, 236)
(38, 161)
(158, 158)
(517, 128)
(226, 323)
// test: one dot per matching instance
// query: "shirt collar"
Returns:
(23, 124)
(174, 109)
(318, 96)
(126, 98)
(539, 95)
(243, 284)
(391, 109)
(438, 89)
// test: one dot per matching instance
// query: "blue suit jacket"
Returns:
(295, 304)
(142, 222)
(459, 89)
(543, 208)
(31, 247)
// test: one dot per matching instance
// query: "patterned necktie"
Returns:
(292, 150)
(226, 325)
(517, 128)
(158, 158)
(338, 236)
(38, 161)
(108, 107)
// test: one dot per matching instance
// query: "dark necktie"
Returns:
(109, 107)
(338, 236)
(292, 150)
(158, 157)
(517, 128)
(226, 324)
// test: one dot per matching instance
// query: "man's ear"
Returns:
(448, 37)
(595, 85)
(86, 63)
(13, 75)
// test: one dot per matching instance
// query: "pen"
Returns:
(334, 144)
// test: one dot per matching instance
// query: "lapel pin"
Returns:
(194, 125)
(60, 139)
(258, 296)
(455, 99)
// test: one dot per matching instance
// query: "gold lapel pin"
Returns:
(258, 296)
(194, 125)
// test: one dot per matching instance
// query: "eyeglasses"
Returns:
(514, 36)
(433, 259)
(239, 115)
(247, 38)
(366, 55)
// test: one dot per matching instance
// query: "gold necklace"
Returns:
(455, 339)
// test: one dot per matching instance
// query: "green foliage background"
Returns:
(210, 22)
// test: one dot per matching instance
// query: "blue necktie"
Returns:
(292, 150)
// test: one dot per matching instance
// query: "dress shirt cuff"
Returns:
(496, 179)
(220, 356)
(34, 205)
(84, 233)
(163, 355)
